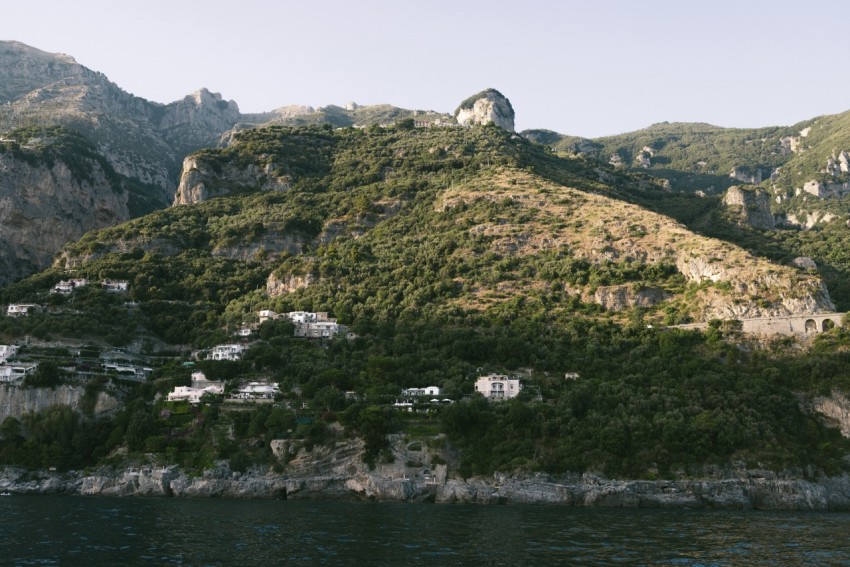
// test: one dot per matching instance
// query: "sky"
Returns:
(582, 67)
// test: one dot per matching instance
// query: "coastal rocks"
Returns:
(592, 491)
(146, 481)
(751, 205)
(486, 107)
(741, 490)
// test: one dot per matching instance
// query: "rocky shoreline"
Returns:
(754, 490)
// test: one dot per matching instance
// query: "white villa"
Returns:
(256, 391)
(16, 372)
(19, 309)
(426, 391)
(7, 352)
(307, 324)
(267, 315)
(194, 393)
(317, 329)
(65, 287)
(199, 381)
(227, 352)
(185, 394)
(115, 285)
(498, 387)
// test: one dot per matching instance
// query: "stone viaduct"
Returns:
(799, 325)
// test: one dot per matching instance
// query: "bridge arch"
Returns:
(811, 326)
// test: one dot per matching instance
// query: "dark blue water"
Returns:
(50, 530)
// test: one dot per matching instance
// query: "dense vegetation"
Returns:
(433, 300)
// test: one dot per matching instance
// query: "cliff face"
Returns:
(15, 401)
(486, 107)
(44, 206)
(752, 206)
(198, 120)
(742, 490)
(201, 180)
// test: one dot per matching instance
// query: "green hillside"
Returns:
(448, 252)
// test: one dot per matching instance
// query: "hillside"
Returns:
(142, 141)
(788, 161)
(779, 192)
(448, 253)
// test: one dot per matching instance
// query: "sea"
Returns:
(91, 531)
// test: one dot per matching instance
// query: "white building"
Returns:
(194, 393)
(227, 352)
(7, 352)
(304, 316)
(317, 330)
(185, 394)
(267, 315)
(19, 309)
(200, 382)
(16, 372)
(426, 391)
(498, 387)
(116, 285)
(307, 324)
(65, 287)
(257, 391)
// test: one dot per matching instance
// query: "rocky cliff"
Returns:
(747, 490)
(201, 180)
(752, 206)
(15, 401)
(46, 203)
(486, 107)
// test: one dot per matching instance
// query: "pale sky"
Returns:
(581, 67)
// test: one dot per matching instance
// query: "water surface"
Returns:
(56, 530)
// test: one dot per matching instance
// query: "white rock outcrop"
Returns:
(486, 107)
(752, 205)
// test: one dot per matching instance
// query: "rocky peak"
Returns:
(485, 107)
(201, 108)
(24, 69)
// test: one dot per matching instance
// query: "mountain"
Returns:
(780, 192)
(143, 142)
(54, 188)
(448, 253)
(804, 168)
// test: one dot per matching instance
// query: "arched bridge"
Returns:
(800, 325)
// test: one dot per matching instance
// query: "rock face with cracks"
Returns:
(486, 107)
